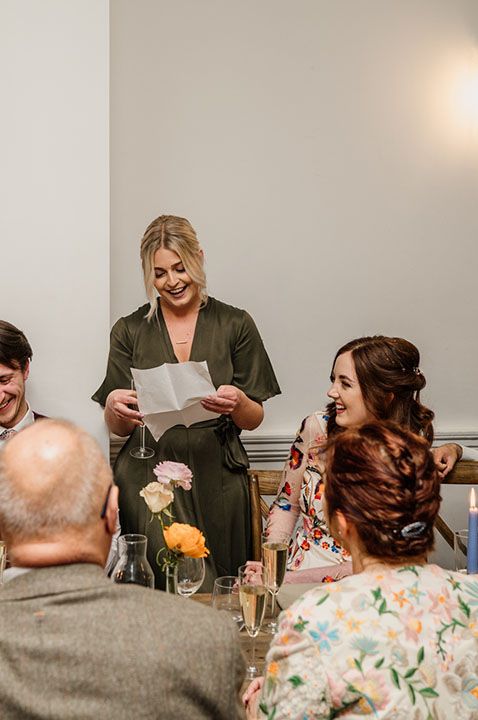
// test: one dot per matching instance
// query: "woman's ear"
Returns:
(342, 530)
(341, 524)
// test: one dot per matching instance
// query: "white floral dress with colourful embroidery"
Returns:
(395, 644)
(299, 501)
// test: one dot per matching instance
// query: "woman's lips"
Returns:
(177, 292)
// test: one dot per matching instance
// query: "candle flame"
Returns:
(472, 499)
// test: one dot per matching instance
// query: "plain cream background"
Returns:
(54, 219)
(323, 155)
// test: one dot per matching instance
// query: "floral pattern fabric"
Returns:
(299, 501)
(395, 644)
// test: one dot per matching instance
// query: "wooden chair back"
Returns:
(267, 482)
(261, 482)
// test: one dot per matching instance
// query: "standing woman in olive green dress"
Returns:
(183, 324)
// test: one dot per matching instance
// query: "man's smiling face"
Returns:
(13, 404)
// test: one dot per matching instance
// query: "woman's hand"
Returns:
(120, 418)
(446, 457)
(229, 400)
(250, 698)
(226, 400)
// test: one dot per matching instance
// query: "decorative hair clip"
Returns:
(415, 370)
(413, 530)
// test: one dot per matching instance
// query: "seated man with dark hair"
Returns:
(72, 643)
(15, 356)
(15, 412)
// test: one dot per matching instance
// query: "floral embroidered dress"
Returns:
(396, 644)
(300, 499)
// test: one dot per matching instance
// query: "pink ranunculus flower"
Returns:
(157, 496)
(173, 473)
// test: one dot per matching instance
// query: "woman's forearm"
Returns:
(117, 425)
(248, 414)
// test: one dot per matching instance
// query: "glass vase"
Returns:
(172, 579)
(132, 566)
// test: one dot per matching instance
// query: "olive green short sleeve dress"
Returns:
(218, 502)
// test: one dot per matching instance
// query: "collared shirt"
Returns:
(26, 420)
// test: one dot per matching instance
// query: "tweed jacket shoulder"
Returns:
(75, 645)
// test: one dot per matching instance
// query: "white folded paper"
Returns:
(171, 395)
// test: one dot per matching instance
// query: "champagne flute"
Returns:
(274, 559)
(3, 559)
(141, 452)
(253, 598)
(191, 572)
(225, 596)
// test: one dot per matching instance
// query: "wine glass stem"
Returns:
(253, 653)
(273, 606)
(142, 436)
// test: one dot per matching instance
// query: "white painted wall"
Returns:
(54, 219)
(327, 157)
(320, 152)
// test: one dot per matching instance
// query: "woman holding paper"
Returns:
(180, 325)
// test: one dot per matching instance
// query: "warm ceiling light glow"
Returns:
(467, 93)
(453, 103)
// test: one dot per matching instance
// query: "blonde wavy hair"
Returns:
(175, 234)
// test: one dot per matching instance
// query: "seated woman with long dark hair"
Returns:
(373, 378)
(397, 639)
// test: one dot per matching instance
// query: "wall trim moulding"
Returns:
(275, 448)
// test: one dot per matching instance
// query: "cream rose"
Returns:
(157, 496)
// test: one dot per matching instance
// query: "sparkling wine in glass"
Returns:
(274, 559)
(191, 572)
(253, 600)
(141, 452)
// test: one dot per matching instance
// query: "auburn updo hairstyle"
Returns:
(383, 479)
(390, 379)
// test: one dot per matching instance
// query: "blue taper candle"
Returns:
(472, 553)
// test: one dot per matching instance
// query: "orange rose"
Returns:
(186, 540)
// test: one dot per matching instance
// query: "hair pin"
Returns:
(413, 530)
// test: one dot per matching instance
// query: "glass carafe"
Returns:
(132, 566)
